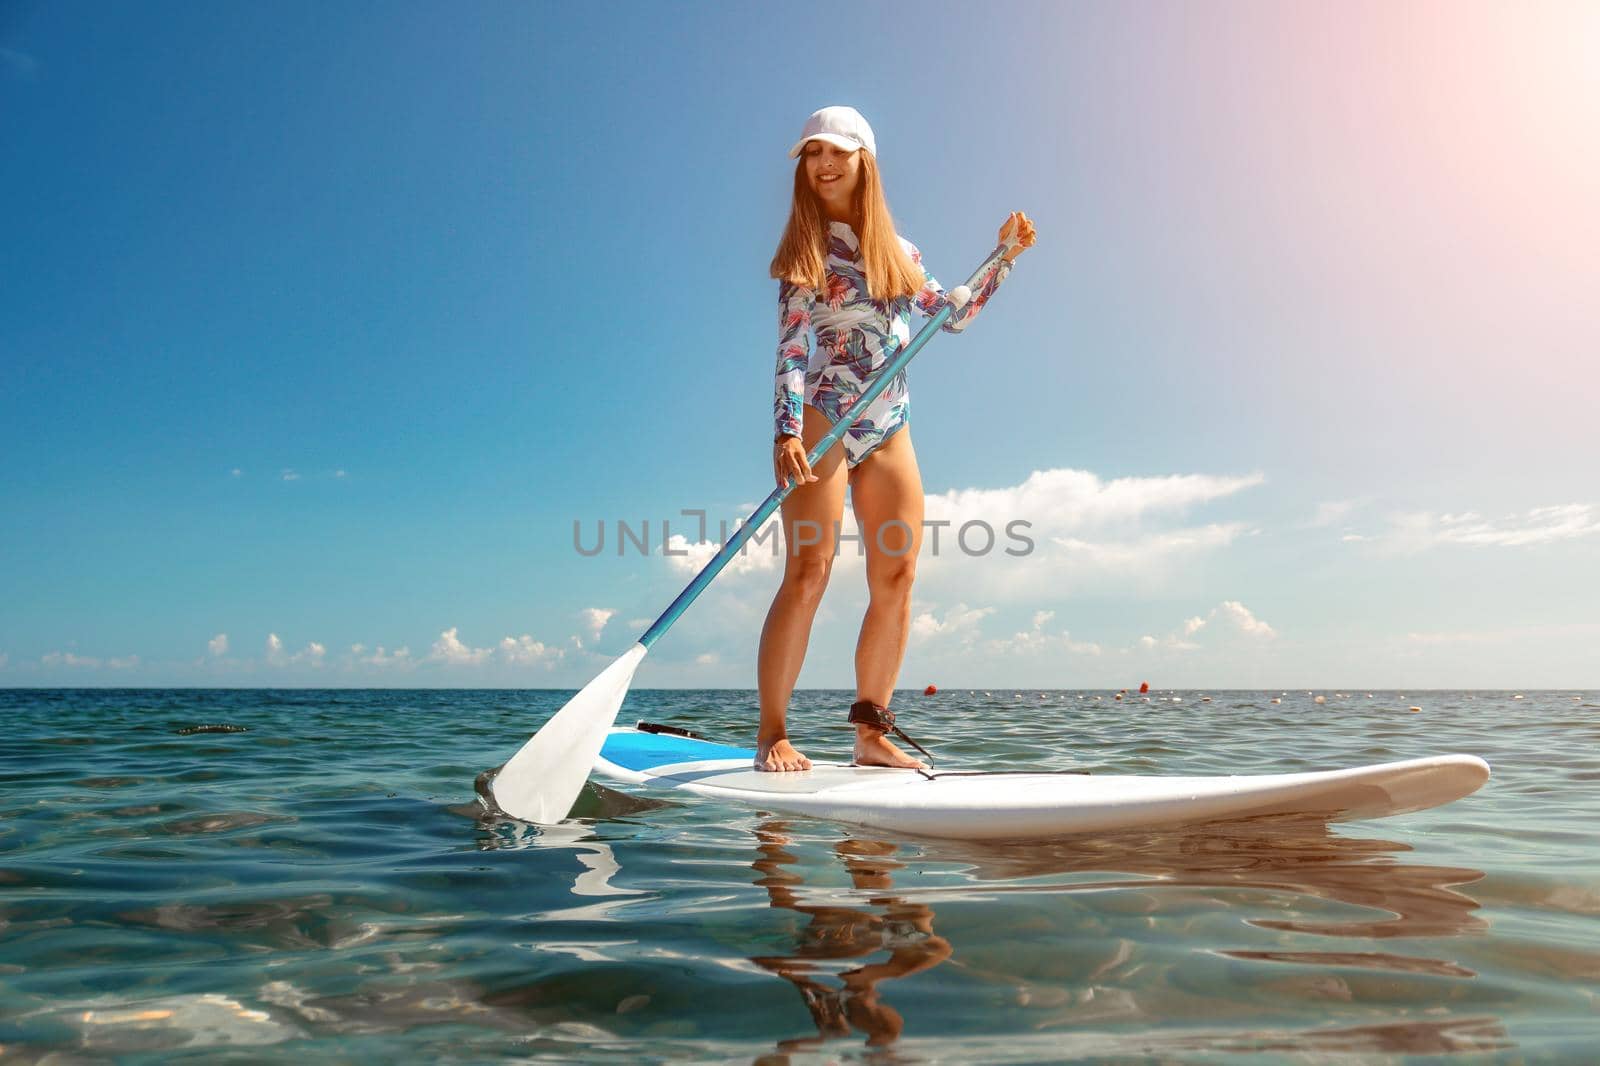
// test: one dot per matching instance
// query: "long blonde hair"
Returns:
(803, 251)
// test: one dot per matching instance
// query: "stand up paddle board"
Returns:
(980, 805)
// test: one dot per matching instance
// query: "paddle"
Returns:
(543, 779)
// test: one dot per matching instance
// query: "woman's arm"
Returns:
(794, 352)
(931, 297)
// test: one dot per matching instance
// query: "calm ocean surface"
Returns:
(326, 887)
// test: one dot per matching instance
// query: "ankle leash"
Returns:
(876, 716)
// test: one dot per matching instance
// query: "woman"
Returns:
(845, 274)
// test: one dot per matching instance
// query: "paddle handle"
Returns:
(955, 300)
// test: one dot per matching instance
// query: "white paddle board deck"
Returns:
(970, 805)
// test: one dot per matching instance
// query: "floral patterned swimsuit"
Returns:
(856, 337)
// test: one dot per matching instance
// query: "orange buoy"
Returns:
(1144, 686)
(930, 690)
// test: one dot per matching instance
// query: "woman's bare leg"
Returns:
(886, 493)
(810, 518)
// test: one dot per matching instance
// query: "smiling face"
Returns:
(834, 174)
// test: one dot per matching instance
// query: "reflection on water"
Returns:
(887, 934)
(1294, 855)
(1416, 1037)
(886, 924)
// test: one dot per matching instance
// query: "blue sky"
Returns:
(320, 325)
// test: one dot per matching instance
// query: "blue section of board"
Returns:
(645, 751)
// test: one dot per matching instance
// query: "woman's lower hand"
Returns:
(1017, 232)
(789, 461)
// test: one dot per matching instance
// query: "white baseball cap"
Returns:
(840, 126)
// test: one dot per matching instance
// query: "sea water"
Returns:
(326, 886)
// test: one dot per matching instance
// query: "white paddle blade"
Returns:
(542, 781)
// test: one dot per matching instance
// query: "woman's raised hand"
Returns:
(789, 461)
(1018, 233)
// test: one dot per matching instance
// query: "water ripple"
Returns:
(325, 885)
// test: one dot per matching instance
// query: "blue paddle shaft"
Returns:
(759, 516)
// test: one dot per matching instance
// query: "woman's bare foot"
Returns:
(779, 755)
(873, 749)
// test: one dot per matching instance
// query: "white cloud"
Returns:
(68, 659)
(1070, 534)
(290, 475)
(1243, 620)
(1066, 531)
(959, 620)
(400, 658)
(1332, 511)
(73, 661)
(1227, 616)
(524, 650)
(1171, 642)
(517, 651)
(760, 554)
(708, 658)
(1037, 640)
(449, 649)
(218, 645)
(312, 654)
(1059, 501)
(1059, 532)
(1418, 531)
(1129, 556)
(236, 472)
(595, 619)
